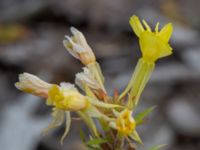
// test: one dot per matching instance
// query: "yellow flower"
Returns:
(154, 45)
(31, 84)
(67, 98)
(79, 48)
(125, 123)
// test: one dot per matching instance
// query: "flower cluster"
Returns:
(115, 114)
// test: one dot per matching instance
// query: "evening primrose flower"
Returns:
(66, 97)
(125, 123)
(29, 83)
(78, 47)
(154, 45)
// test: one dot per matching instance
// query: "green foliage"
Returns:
(96, 141)
(93, 143)
(135, 136)
(140, 117)
(82, 136)
(157, 147)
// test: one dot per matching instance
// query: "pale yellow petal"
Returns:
(136, 25)
(58, 117)
(68, 123)
(166, 32)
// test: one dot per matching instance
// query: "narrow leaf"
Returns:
(135, 136)
(95, 113)
(102, 104)
(82, 136)
(90, 123)
(157, 147)
(97, 141)
(139, 117)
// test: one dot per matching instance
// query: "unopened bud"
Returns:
(125, 123)
(32, 84)
(78, 47)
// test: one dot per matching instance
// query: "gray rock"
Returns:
(191, 57)
(19, 130)
(15, 10)
(183, 116)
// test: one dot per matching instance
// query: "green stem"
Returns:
(88, 120)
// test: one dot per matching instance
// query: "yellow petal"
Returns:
(166, 32)
(52, 93)
(166, 50)
(153, 47)
(136, 25)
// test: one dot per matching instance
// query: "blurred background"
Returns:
(31, 34)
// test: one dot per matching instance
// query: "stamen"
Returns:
(157, 27)
(146, 25)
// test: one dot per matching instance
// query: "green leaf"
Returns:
(90, 123)
(93, 148)
(96, 141)
(157, 147)
(139, 117)
(82, 136)
(95, 113)
(104, 124)
(135, 136)
(98, 103)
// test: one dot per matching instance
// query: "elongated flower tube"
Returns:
(78, 47)
(30, 83)
(153, 45)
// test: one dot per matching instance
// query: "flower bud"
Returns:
(125, 123)
(31, 84)
(86, 77)
(78, 47)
